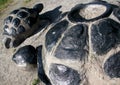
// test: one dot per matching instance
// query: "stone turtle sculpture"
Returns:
(83, 48)
(25, 22)
(20, 24)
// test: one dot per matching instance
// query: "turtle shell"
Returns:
(19, 21)
(20, 24)
(83, 48)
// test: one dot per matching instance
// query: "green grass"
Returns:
(35, 82)
(4, 3)
(27, 1)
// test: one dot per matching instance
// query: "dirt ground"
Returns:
(10, 74)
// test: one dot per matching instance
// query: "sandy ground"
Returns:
(10, 74)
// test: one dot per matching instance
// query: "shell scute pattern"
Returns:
(13, 21)
(54, 34)
(85, 39)
(21, 24)
(73, 44)
(105, 35)
(117, 13)
(20, 16)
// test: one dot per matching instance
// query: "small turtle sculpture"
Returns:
(25, 22)
(20, 24)
(82, 48)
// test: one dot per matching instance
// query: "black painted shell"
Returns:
(21, 20)
(88, 34)
(20, 24)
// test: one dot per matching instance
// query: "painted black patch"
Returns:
(14, 11)
(38, 7)
(31, 11)
(22, 14)
(74, 43)
(112, 66)
(63, 75)
(74, 15)
(41, 73)
(26, 54)
(55, 33)
(8, 20)
(16, 22)
(30, 21)
(116, 12)
(7, 43)
(105, 34)
(21, 29)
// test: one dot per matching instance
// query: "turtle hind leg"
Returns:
(25, 56)
(41, 73)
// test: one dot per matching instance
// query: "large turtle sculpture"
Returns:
(82, 48)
